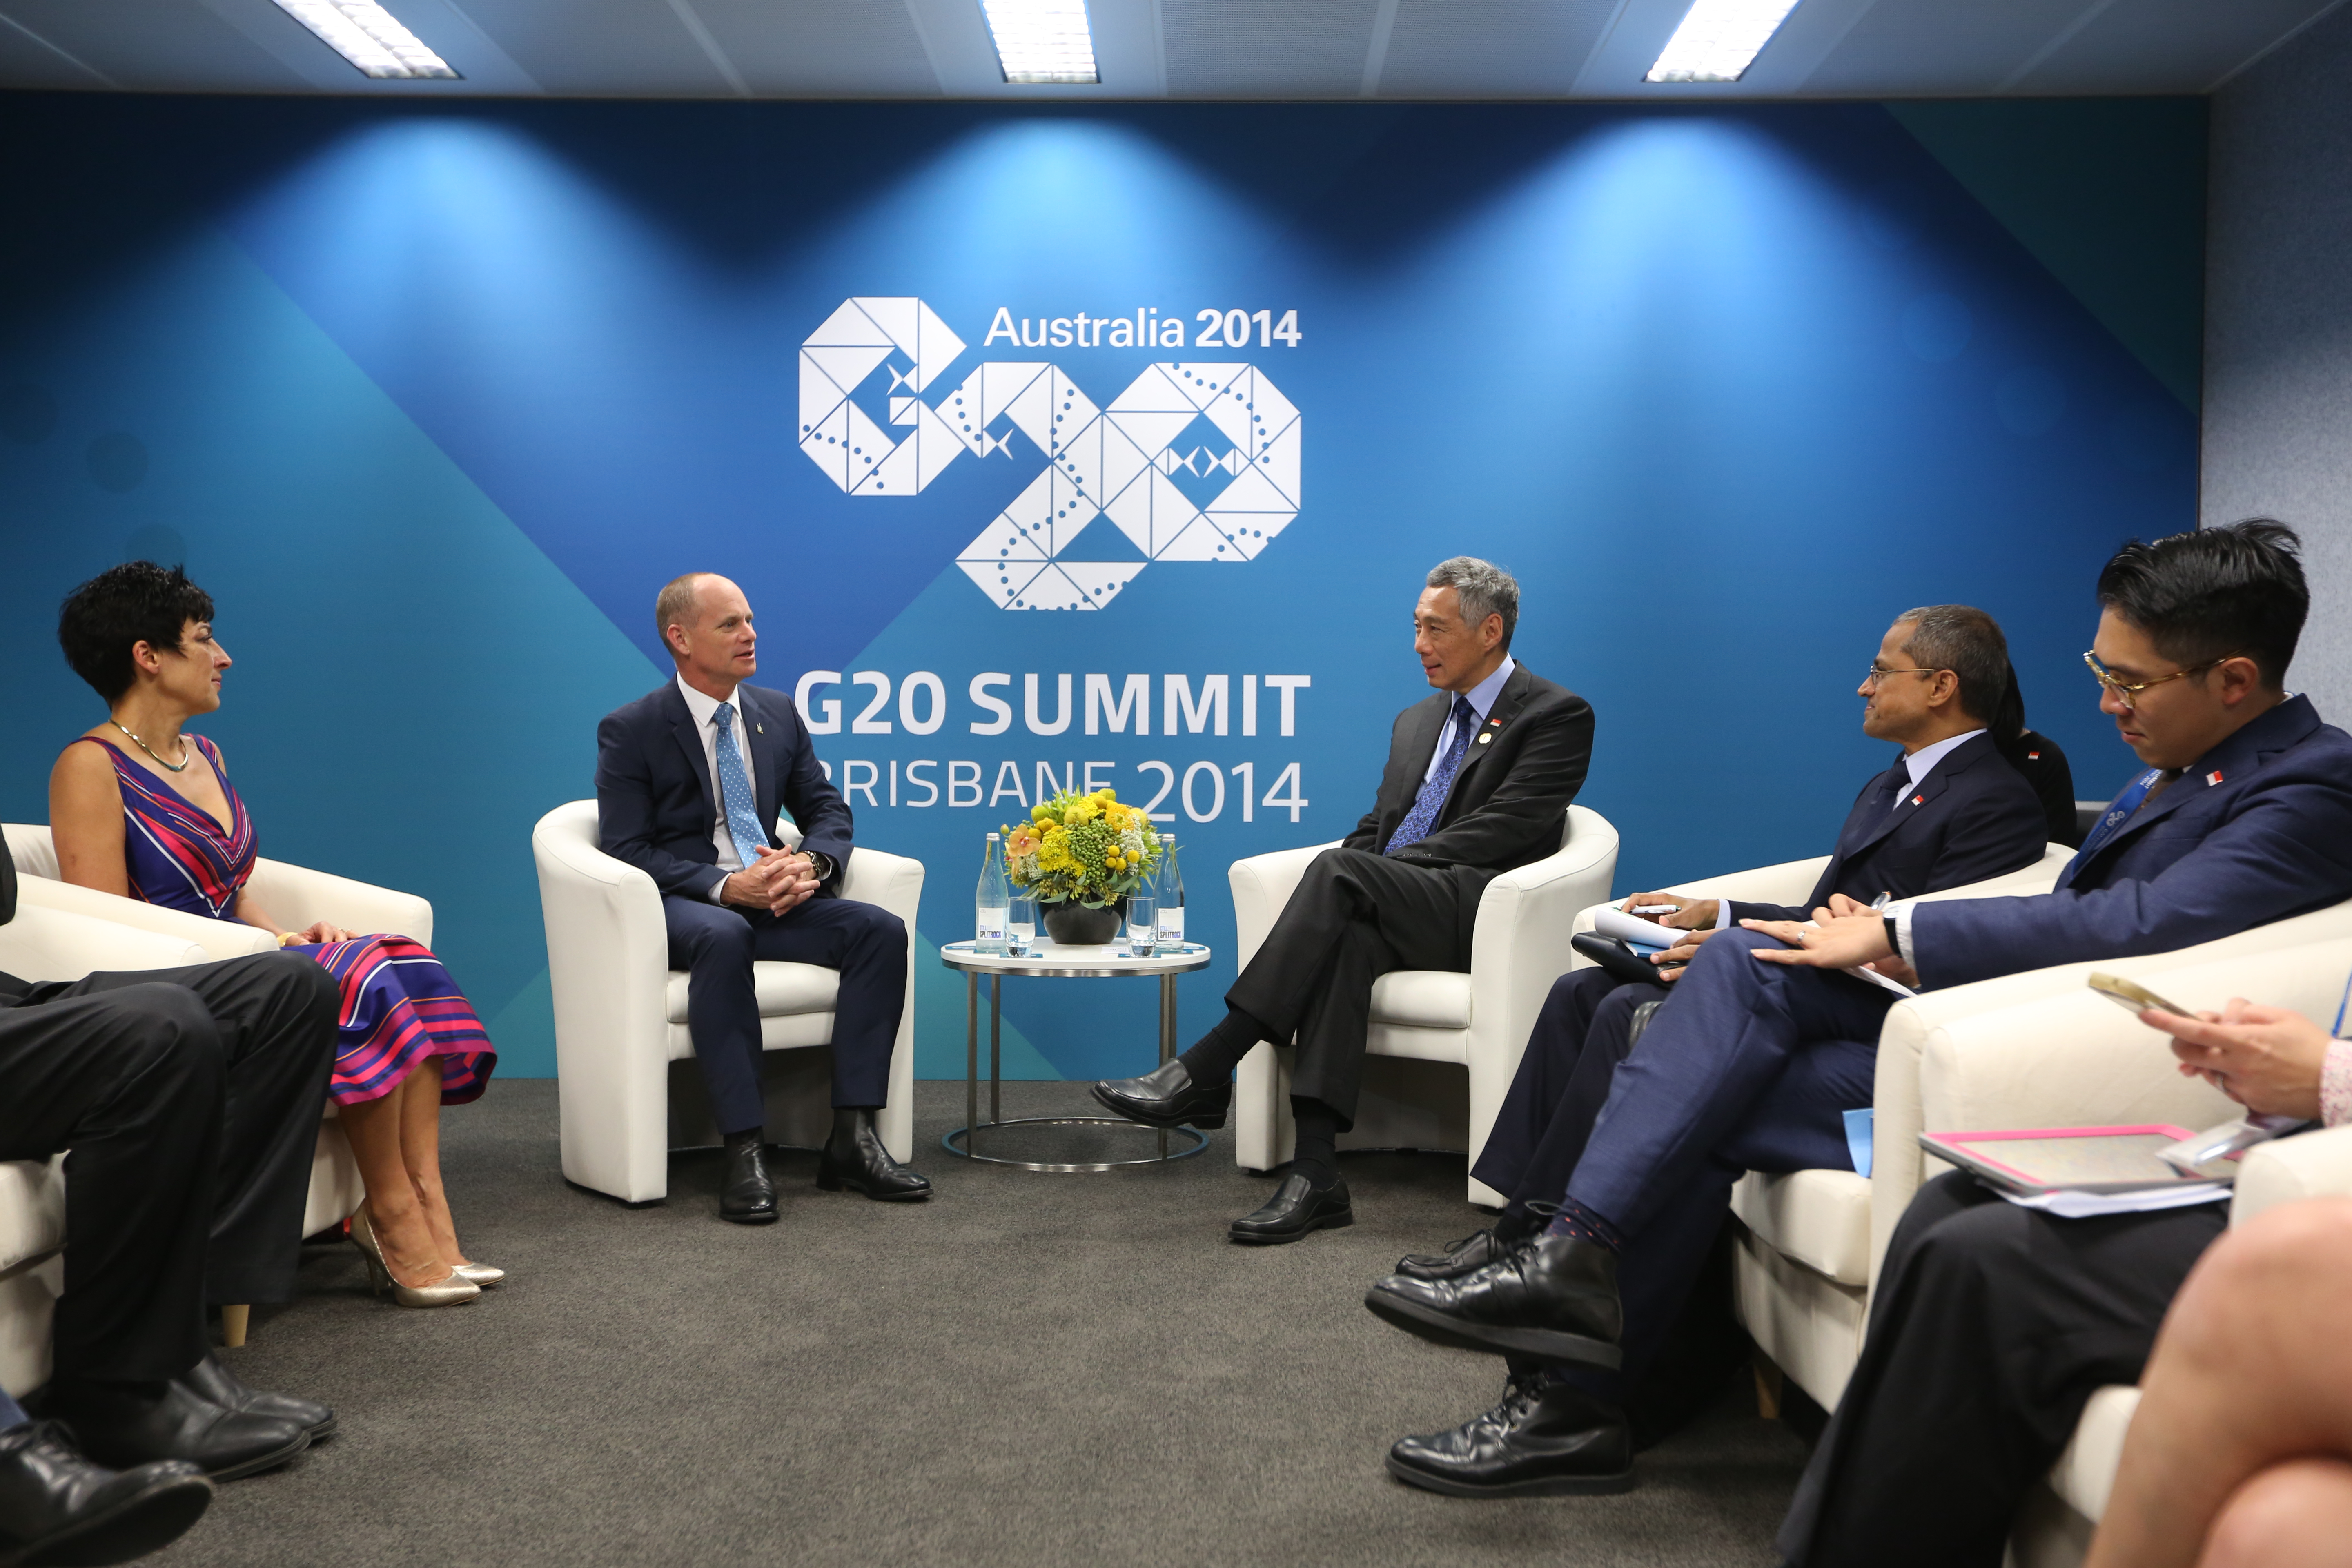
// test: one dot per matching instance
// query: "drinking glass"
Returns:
(1140, 910)
(1021, 925)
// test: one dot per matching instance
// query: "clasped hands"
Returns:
(777, 880)
(1844, 935)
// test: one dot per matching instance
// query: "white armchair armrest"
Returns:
(214, 938)
(2310, 1165)
(302, 898)
(58, 944)
(1262, 885)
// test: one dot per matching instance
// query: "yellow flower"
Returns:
(1086, 808)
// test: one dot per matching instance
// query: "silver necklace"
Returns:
(178, 767)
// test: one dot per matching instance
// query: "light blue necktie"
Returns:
(1415, 826)
(735, 791)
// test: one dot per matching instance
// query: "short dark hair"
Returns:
(2215, 593)
(1967, 642)
(101, 621)
(1482, 589)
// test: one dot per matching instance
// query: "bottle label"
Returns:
(1168, 925)
(989, 926)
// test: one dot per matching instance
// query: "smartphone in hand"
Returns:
(2138, 998)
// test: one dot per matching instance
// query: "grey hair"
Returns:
(1483, 588)
(1966, 641)
(674, 606)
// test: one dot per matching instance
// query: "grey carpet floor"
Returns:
(1029, 1369)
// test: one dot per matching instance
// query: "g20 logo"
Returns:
(1193, 461)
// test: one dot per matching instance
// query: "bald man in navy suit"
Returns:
(688, 781)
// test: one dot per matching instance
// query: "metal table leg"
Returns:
(995, 1045)
(1167, 1037)
(971, 1058)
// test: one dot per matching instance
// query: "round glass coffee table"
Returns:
(1050, 961)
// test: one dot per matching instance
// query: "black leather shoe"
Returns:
(1471, 1253)
(1554, 1298)
(1540, 1441)
(1167, 1098)
(748, 1195)
(122, 1424)
(1299, 1205)
(56, 1507)
(855, 1158)
(215, 1382)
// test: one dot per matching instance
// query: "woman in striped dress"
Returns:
(138, 807)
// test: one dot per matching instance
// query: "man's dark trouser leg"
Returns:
(868, 944)
(713, 944)
(1702, 1068)
(133, 1083)
(1991, 1328)
(275, 1014)
(1353, 917)
(1582, 1033)
(1795, 1124)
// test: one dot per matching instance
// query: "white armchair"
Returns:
(620, 1015)
(1426, 1023)
(44, 943)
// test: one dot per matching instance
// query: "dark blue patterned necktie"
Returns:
(1415, 826)
(735, 791)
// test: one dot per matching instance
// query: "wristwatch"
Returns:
(822, 862)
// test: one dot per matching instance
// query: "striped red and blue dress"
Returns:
(399, 1005)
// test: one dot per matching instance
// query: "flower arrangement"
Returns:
(1083, 848)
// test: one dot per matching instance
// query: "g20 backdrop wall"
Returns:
(1068, 449)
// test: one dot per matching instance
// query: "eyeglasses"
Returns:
(1877, 675)
(2128, 690)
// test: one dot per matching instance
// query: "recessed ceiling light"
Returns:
(1040, 40)
(1718, 41)
(370, 38)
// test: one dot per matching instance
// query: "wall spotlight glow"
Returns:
(1040, 40)
(370, 38)
(1719, 39)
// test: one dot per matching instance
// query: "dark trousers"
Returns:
(189, 1100)
(1991, 1328)
(1354, 917)
(1584, 1030)
(717, 945)
(1749, 1066)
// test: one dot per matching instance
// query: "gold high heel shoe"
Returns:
(454, 1291)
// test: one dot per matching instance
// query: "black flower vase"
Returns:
(1073, 924)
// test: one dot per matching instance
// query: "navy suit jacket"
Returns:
(656, 805)
(1973, 816)
(2258, 829)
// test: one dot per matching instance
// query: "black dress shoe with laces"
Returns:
(1472, 1253)
(1167, 1098)
(215, 1382)
(748, 1194)
(123, 1424)
(1545, 1439)
(1555, 1299)
(58, 1507)
(1302, 1202)
(855, 1158)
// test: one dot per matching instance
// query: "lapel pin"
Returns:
(1484, 739)
(2213, 778)
(1918, 800)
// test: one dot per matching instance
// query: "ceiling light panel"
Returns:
(1039, 40)
(1718, 41)
(370, 38)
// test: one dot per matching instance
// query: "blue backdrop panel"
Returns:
(434, 401)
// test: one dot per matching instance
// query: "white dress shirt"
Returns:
(1480, 698)
(706, 720)
(1922, 762)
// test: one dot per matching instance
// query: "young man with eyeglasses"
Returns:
(2243, 816)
